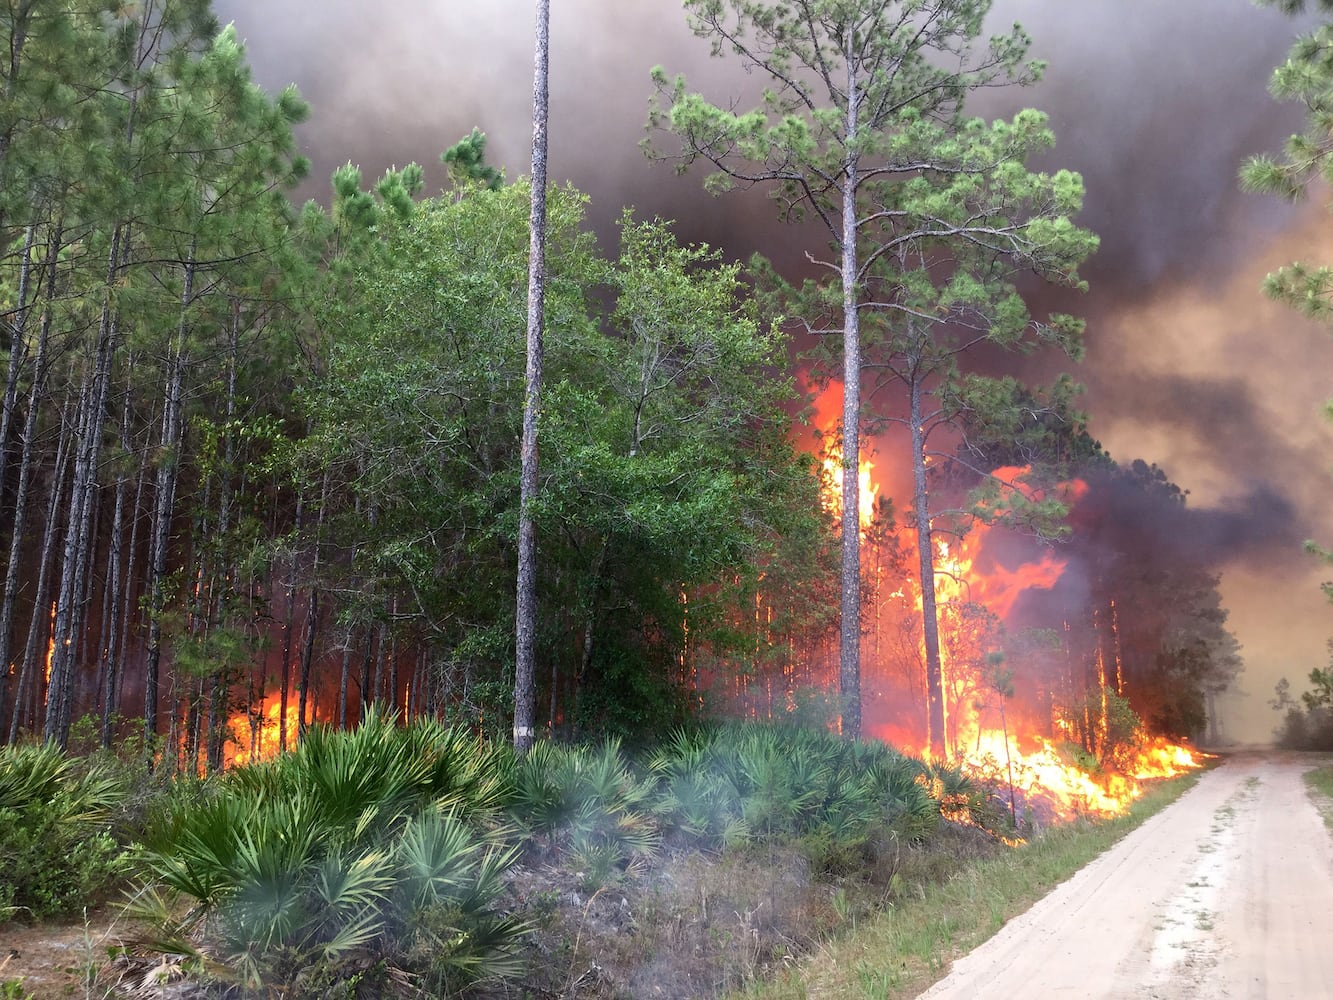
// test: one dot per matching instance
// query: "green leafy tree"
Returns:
(665, 478)
(929, 212)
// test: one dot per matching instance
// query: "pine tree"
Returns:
(525, 614)
(862, 132)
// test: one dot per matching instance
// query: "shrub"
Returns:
(837, 799)
(590, 803)
(57, 853)
(359, 855)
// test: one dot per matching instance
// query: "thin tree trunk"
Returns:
(19, 528)
(18, 347)
(41, 620)
(114, 596)
(1009, 762)
(381, 644)
(218, 590)
(128, 601)
(393, 660)
(930, 629)
(344, 679)
(849, 634)
(168, 472)
(307, 656)
(286, 679)
(312, 611)
(525, 614)
(367, 660)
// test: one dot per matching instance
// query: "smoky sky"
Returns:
(1155, 102)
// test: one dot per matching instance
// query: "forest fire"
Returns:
(255, 736)
(1004, 718)
(868, 489)
(1043, 783)
(1039, 778)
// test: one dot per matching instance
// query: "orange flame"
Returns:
(1001, 736)
(868, 490)
(255, 738)
(51, 646)
(828, 412)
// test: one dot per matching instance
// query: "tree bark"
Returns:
(525, 612)
(930, 629)
(285, 681)
(20, 525)
(75, 556)
(18, 346)
(849, 634)
(38, 622)
(164, 505)
(116, 573)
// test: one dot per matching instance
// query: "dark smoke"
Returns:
(1156, 102)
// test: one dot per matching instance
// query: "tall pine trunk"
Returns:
(117, 573)
(930, 628)
(40, 618)
(78, 525)
(164, 503)
(525, 612)
(849, 633)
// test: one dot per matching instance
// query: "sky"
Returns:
(1156, 102)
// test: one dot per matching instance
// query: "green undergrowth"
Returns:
(1320, 782)
(420, 860)
(901, 951)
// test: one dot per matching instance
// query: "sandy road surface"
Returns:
(1227, 893)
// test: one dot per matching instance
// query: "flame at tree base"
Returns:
(1043, 783)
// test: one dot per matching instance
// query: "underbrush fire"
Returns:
(1036, 696)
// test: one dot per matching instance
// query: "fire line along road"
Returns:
(1227, 893)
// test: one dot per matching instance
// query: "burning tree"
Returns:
(863, 131)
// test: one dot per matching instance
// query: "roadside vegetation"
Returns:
(908, 946)
(1320, 781)
(418, 859)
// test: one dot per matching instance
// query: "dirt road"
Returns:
(1226, 894)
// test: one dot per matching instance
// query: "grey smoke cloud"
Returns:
(1156, 102)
